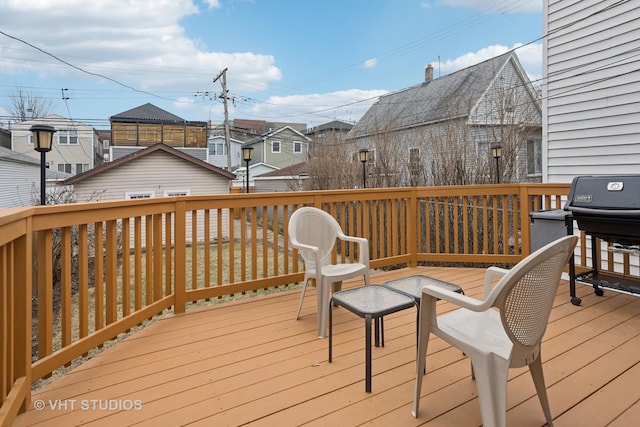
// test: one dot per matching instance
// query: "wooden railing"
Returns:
(96, 270)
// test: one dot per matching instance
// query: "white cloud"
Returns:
(491, 6)
(371, 63)
(140, 43)
(530, 57)
(315, 109)
(213, 4)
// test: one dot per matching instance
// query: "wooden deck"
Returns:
(250, 362)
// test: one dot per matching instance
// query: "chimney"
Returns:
(428, 73)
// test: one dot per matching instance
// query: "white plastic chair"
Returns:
(497, 340)
(314, 233)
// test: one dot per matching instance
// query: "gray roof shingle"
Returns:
(147, 113)
(431, 101)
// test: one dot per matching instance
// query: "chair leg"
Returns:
(304, 289)
(491, 379)
(323, 290)
(535, 368)
(421, 362)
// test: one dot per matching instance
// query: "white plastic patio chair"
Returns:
(314, 233)
(497, 340)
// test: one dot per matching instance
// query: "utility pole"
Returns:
(227, 139)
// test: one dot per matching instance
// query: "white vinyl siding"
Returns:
(592, 121)
(154, 175)
(19, 184)
(158, 171)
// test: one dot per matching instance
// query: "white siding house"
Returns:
(217, 152)
(19, 179)
(591, 95)
(76, 147)
(156, 171)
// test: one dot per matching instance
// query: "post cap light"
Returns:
(496, 151)
(246, 153)
(42, 137)
(363, 153)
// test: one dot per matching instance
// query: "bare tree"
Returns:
(27, 106)
(512, 113)
(331, 165)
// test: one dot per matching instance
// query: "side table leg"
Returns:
(367, 325)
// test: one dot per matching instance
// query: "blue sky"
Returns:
(307, 61)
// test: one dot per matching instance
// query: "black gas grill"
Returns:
(608, 208)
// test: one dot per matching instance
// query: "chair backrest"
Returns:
(314, 227)
(525, 295)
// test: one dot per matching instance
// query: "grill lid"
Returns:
(607, 207)
(611, 195)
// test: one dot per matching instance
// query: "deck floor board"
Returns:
(250, 362)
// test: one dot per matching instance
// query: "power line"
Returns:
(82, 69)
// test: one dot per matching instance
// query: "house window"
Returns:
(414, 156)
(217, 149)
(139, 194)
(67, 137)
(297, 147)
(64, 167)
(82, 167)
(175, 193)
(105, 144)
(30, 138)
(275, 146)
(534, 157)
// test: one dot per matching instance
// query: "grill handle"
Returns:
(635, 213)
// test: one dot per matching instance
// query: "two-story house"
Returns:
(441, 131)
(75, 149)
(217, 153)
(280, 148)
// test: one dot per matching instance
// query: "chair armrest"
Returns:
(461, 300)
(363, 251)
(305, 249)
(488, 278)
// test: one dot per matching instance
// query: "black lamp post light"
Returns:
(42, 136)
(364, 154)
(496, 153)
(246, 156)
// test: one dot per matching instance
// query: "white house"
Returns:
(76, 147)
(591, 95)
(217, 152)
(155, 171)
(256, 169)
(19, 179)
(591, 91)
